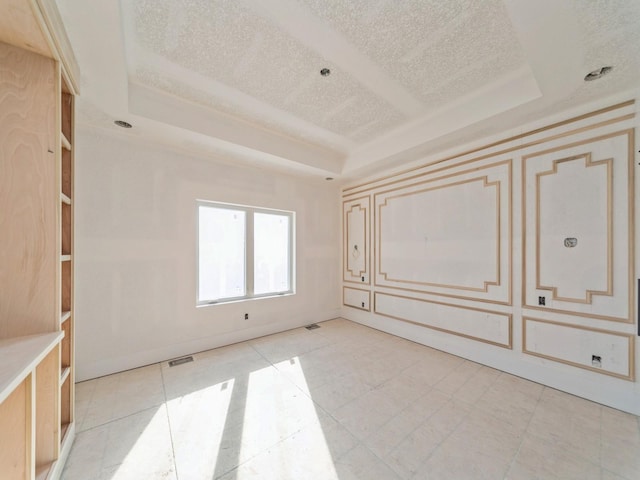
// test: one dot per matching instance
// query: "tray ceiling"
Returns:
(240, 80)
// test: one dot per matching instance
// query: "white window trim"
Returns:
(249, 249)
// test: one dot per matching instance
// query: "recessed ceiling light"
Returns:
(329, 179)
(596, 74)
(123, 124)
(325, 72)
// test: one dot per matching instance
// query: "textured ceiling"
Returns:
(436, 49)
(240, 78)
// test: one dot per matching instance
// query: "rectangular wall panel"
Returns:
(578, 228)
(356, 298)
(448, 234)
(601, 351)
(356, 232)
(473, 323)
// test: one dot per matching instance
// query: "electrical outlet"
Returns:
(362, 304)
(596, 360)
(363, 278)
(541, 301)
(246, 316)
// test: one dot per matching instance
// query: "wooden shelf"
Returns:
(65, 143)
(65, 374)
(20, 356)
(43, 472)
(63, 431)
(37, 365)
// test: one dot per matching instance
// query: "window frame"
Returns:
(249, 253)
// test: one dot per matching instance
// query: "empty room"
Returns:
(319, 239)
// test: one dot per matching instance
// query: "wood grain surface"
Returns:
(29, 196)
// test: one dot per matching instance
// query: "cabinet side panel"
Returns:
(47, 423)
(15, 432)
(28, 193)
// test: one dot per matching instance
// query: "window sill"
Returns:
(244, 299)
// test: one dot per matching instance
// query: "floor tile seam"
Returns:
(484, 409)
(440, 443)
(337, 407)
(525, 433)
(104, 449)
(360, 443)
(471, 377)
(348, 402)
(405, 437)
(166, 403)
(608, 470)
(263, 451)
(420, 424)
(146, 409)
(308, 395)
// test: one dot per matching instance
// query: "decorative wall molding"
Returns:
(588, 163)
(514, 144)
(356, 233)
(596, 339)
(612, 153)
(574, 204)
(422, 201)
(356, 298)
(485, 322)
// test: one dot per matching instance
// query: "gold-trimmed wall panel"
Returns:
(597, 220)
(593, 208)
(448, 235)
(601, 351)
(486, 326)
(356, 231)
(356, 298)
(611, 115)
(584, 165)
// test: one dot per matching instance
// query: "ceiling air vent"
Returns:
(596, 74)
(180, 361)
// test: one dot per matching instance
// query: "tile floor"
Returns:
(341, 402)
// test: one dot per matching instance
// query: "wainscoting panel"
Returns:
(578, 228)
(523, 243)
(356, 249)
(598, 350)
(356, 298)
(473, 323)
(448, 234)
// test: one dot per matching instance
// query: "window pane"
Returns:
(222, 253)
(271, 253)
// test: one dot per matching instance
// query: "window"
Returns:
(243, 252)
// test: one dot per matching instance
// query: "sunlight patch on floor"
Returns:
(198, 422)
(287, 413)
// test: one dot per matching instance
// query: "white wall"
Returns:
(135, 253)
(429, 256)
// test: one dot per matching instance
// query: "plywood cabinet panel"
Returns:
(16, 433)
(36, 241)
(28, 193)
(46, 400)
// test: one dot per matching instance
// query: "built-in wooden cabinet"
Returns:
(37, 88)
